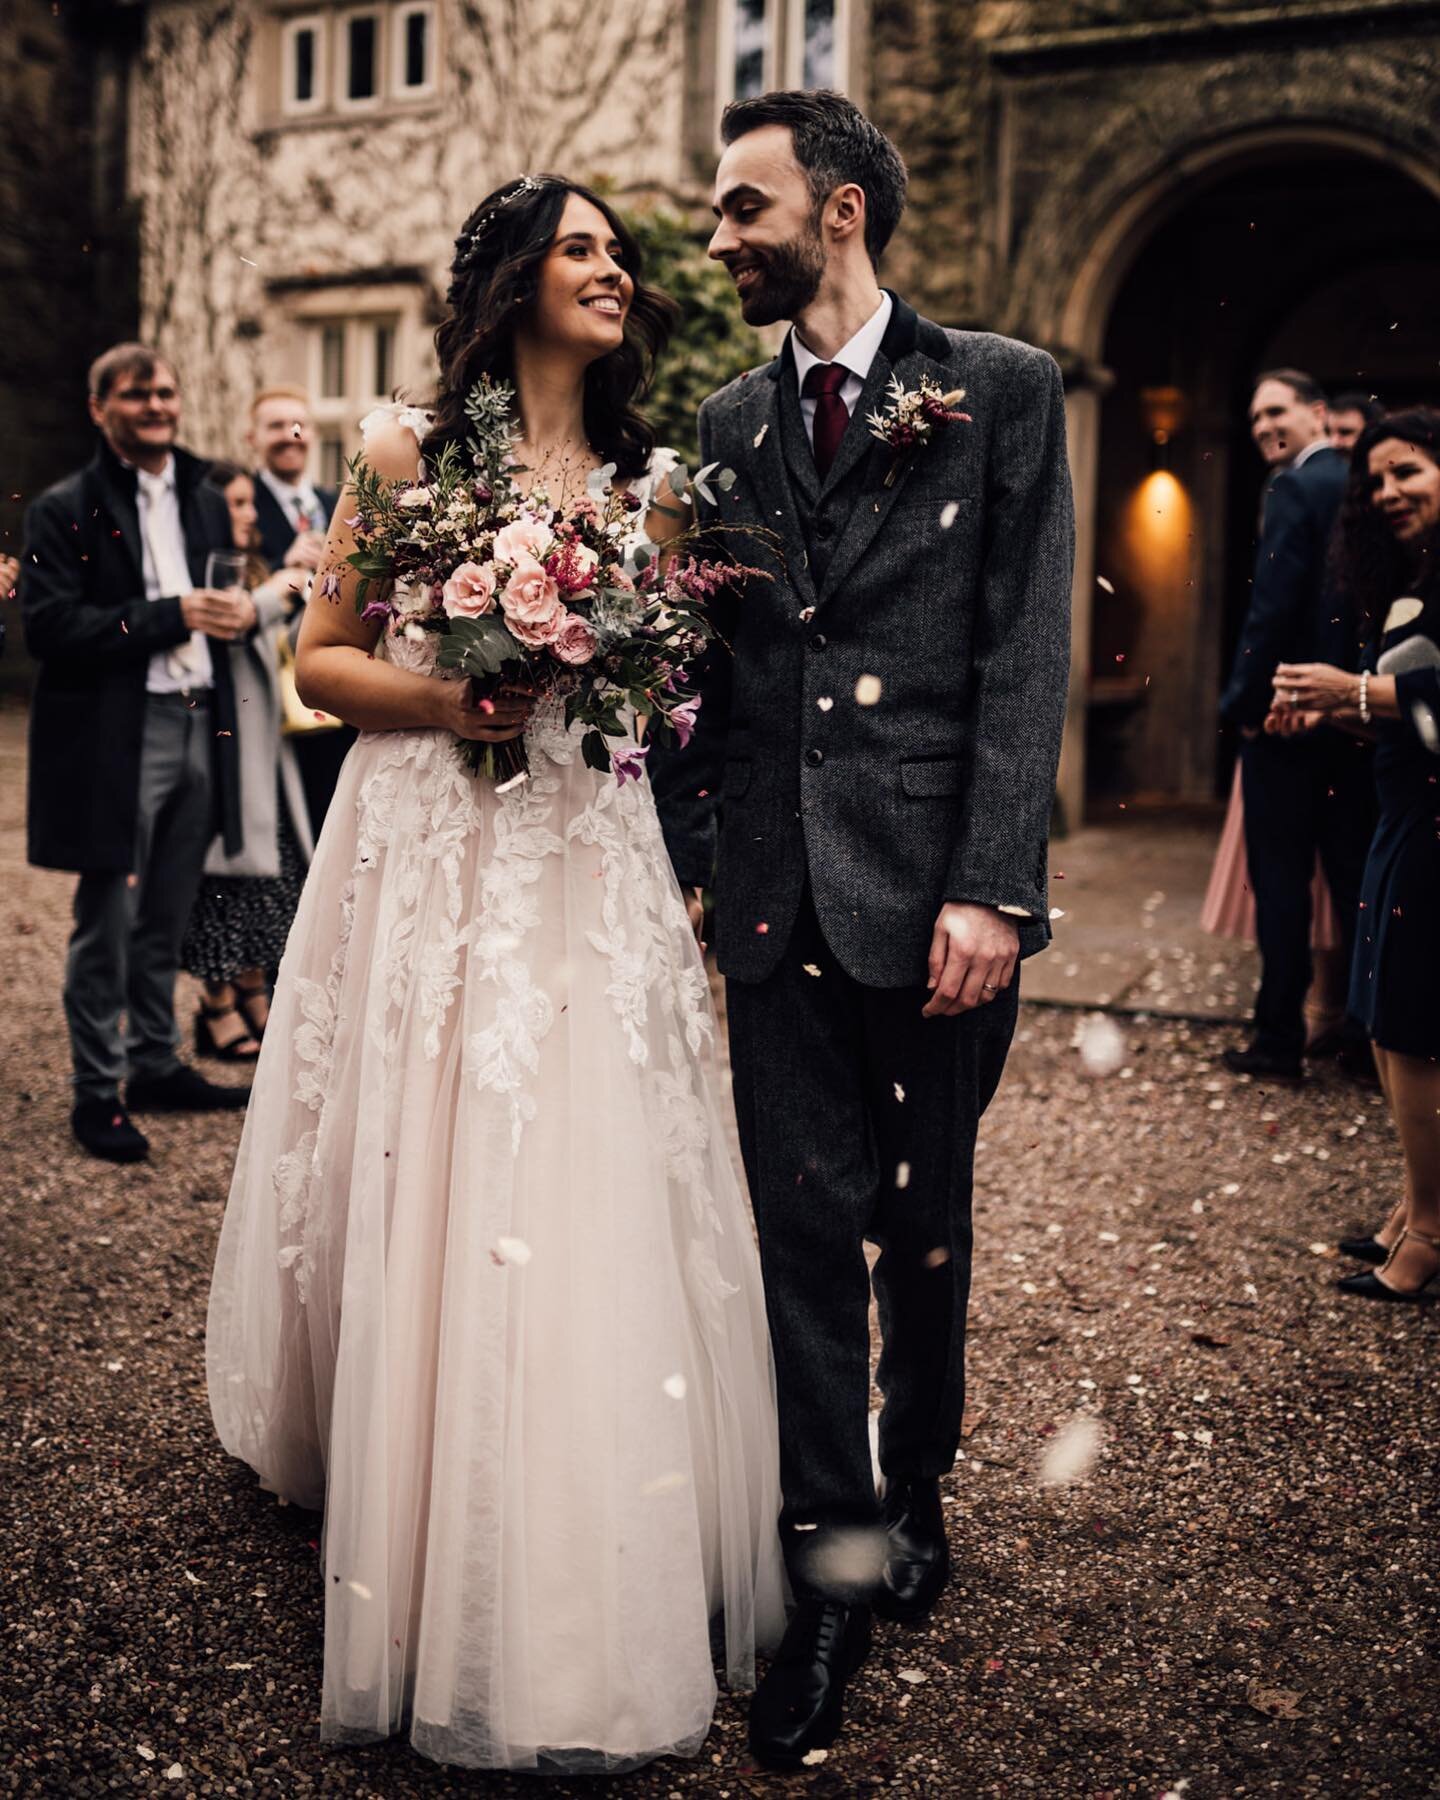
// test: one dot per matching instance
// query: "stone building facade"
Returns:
(1166, 194)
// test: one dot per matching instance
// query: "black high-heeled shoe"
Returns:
(243, 1049)
(1366, 1249)
(1367, 1284)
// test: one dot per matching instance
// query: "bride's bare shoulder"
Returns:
(391, 438)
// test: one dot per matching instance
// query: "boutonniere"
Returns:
(913, 417)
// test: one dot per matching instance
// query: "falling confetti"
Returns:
(899, 1093)
(1101, 1044)
(902, 1174)
(512, 1250)
(810, 968)
(674, 1386)
(867, 690)
(760, 436)
(824, 703)
(812, 1759)
(359, 1590)
(1105, 582)
(948, 514)
(1072, 1452)
(853, 1557)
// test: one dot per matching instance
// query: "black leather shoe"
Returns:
(182, 1090)
(1356, 1061)
(1366, 1249)
(798, 1706)
(917, 1563)
(103, 1128)
(1264, 1065)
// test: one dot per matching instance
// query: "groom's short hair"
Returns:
(834, 143)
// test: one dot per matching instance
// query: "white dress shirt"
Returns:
(1312, 448)
(294, 498)
(856, 357)
(187, 665)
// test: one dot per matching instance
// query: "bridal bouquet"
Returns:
(571, 601)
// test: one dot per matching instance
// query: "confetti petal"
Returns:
(867, 690)
(1072, 1452)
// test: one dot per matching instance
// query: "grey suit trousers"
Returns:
(125, 949)
(857, 1121)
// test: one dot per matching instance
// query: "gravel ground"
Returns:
(1239, 1597)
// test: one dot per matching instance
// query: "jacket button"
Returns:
(814, 758)
(818, 640)
(825, 528)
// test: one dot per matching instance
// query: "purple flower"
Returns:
(375, 609)
(629, 763)
(330, 584)
(683, 719)
(355, 521)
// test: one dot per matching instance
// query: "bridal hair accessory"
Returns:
(468, 243)
(912, 418)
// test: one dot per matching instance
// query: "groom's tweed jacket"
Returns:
(952, 587)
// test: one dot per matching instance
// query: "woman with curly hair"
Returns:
(487, 1283)
(1388, 551)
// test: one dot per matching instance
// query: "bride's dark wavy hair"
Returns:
(1371, 565)
(495, 274)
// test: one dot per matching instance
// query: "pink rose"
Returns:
(522, 537)
(470, 591)
(575, 642)
(531, 604)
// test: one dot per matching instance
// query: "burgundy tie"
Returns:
(823, 383)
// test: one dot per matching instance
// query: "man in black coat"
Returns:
(880, 750)
(1302, 795)
(292, 516)
(133, 765)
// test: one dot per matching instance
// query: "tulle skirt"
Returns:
(487, 1285)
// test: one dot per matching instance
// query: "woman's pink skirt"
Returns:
(1229, 909)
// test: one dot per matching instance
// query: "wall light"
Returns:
(1164, 411)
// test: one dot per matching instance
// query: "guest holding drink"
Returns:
(247, 899)
(1389, 563)
(133, 763)
(292, 517)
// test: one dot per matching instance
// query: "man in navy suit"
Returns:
(292, 517)
(1303, 795)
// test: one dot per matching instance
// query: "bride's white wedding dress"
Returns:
(486, 1285)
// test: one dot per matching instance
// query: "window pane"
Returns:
(751, 31)
(361, 80)
(304, 65)
(332, 461)
(819, 43)
(384, 360)
(417, 45)
(332, 361)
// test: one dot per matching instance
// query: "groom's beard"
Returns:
(789, 279)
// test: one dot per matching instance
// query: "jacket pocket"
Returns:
(931, 778)
(736, 779)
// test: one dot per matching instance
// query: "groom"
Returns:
(879, 754)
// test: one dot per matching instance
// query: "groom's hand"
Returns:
(695, 906)
(972, 958)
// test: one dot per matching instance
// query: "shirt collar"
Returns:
(291, 494)
(857, 355)
(161, 479)
(1309, 451)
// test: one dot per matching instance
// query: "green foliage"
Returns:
(712, 344)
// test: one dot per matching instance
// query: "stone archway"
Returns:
(1082, 244)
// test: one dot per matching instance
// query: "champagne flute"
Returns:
(225, 570)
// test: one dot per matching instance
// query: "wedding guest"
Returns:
(1302, 797)
(293, 516)
(132, 752)
(1389, 560)
(9, 575)
(247, 898)
(1349, 415)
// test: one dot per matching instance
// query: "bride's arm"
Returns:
(335, 667)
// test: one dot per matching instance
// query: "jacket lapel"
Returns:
(899, 358)
(764, 451)
(117, 486)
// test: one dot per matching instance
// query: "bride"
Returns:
(486, 1286)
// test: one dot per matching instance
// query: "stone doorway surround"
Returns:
(1102, 134)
